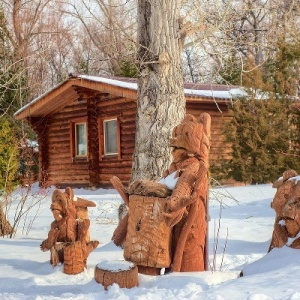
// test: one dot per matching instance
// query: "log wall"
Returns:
(57, 161)
(125, 110)
(63, 168)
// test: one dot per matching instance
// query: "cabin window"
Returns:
(80, 143)
(110, 135)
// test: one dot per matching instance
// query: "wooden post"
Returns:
(93, 141)
(41, 128)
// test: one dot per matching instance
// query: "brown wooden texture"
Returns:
(117, 184)
(120, 232)
(57, 162)
(124, 278)
(68, 239)
(93, 141)
(185, 209)
(286, 204)
(73, 259)
(148, 236)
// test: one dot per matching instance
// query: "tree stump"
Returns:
(123, 273)
(73, 258)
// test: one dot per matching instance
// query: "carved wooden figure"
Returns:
(166, 226)
(68, 239)
(286, 204)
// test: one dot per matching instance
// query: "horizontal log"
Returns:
(69, 173)
(115, 170)
(127, 139)
(125, 133)
(107, 177)
(131, 126)
(66, 182)
(127, 151)
(117, 164)
(126, 157)
(129, 113)
(128, 120)
(59, 165)
(61, 135)
(60, 153)
(65, 117)
(58, 141)
(59, 157)
(75, 107)
(58, 126)
(121, 102)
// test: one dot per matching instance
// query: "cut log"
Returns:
(73, 259)
(123, 273)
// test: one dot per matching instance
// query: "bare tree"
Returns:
(110, 27)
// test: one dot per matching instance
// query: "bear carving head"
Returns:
(191, 138)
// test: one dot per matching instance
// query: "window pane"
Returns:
(80, 139)
(110, 137)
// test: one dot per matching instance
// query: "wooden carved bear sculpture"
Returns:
(68, 239)
(286, 204)
(179, 210)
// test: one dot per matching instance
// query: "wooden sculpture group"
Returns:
(166, 222)
(166, 228)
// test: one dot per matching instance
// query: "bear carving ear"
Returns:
(297, 190)
(189, 118)
(70, 192)
(205, 119)
(286, 175)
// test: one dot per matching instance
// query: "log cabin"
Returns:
(85, 127)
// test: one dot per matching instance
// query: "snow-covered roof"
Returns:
(127, 84)
(227, 92)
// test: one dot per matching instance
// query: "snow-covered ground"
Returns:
(242, 239)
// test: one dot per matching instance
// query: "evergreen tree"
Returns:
(259, 133)
(264, 128)
(8, 156)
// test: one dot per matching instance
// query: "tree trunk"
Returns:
(5, 227)
(161, 102)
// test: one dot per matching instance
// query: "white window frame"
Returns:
(107, 153)
(76, 145)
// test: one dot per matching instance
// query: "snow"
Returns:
(115, 265)
(226, 94)
(170, 181)
(232, 93)
(239, 243)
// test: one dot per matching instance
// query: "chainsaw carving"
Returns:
(166, 225)
(286, 204)
(68, 239)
